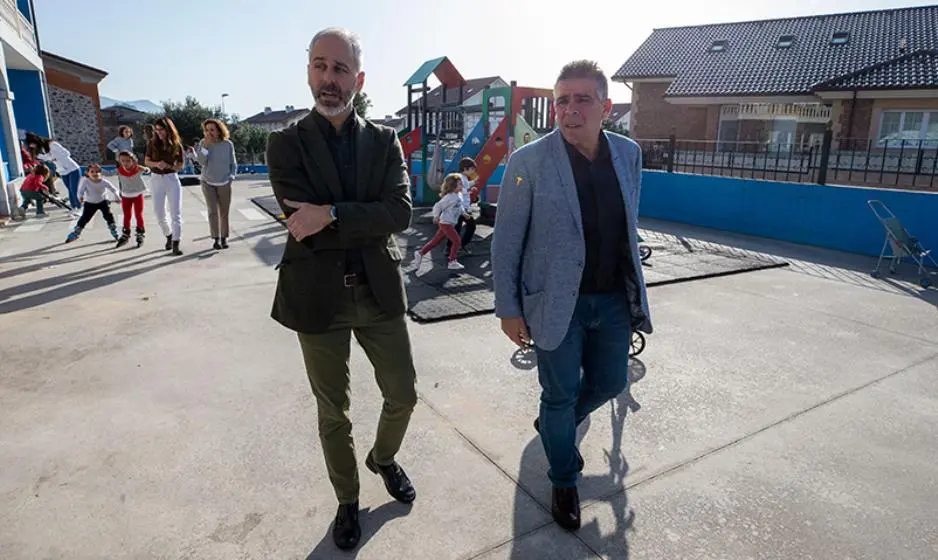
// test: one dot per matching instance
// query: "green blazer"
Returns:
(311, 273)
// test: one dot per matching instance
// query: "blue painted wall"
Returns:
(24, 6)
(29, 107)
(833, 217)
(7, 171)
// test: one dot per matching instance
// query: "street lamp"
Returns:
(223, 96)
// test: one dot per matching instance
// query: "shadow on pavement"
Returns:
(108, 249)
(371, 521)
(534, 466)
(91, 279)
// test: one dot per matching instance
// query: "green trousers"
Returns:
(386, 342)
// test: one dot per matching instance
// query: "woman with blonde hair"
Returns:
(219, 167)
(165, 159)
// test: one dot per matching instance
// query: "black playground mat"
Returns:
(268, 204)
(435, 293)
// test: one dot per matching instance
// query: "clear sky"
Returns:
(256, 50)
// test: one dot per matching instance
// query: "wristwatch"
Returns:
(332, 213)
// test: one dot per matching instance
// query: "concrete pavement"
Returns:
(149, 408)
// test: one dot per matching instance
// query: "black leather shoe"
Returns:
(169, 243)
(565, 507)
(579, 458)
(395, 480)
(217, 244)
(346, 532)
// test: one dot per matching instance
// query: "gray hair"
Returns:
(586, 69)
(350, 38)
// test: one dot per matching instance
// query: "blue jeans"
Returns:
(597, 343)
(71, 183)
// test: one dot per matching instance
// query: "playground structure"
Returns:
(437, 137)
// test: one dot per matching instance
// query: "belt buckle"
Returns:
(349, 280)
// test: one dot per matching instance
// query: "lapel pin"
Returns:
(518, 180)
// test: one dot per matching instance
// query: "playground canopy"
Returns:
(442, 68)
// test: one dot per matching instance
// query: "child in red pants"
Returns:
(446, 213)
(132, 187)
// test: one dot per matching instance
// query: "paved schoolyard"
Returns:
(149, 408)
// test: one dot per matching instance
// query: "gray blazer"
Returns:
(538, 250)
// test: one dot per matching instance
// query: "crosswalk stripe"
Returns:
(27, 228)
(251, 214)
(204, 215)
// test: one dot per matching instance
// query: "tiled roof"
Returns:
(619, 110)
(914, 70)
(752, 63)
(452, 94)
(276, 116)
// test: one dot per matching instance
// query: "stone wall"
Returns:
(76, 125)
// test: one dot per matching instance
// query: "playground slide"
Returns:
(410, 140)
(521, 128)
(470, 147)
(492, 154)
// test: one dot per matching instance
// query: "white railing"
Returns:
(803, 112)
(12, 15)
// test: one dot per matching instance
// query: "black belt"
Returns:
(354, 280)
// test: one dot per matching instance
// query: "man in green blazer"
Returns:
(342, 183)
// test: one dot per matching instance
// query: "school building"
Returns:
(23, 100)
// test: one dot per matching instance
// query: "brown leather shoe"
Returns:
(565, 507)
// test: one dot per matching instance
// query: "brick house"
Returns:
(872, 76)
(75, 106)
(272, 121)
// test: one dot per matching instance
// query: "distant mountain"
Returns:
(144, 105)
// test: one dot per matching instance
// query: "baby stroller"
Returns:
(644, 251)
(901, 244)
(637, 344)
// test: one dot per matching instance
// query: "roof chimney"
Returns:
(267, 110)
(290, 108)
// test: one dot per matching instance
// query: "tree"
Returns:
(188, 116)
(250, 142)
(362, 104)
(612, 126)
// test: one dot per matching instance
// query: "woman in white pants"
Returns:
(165, 158)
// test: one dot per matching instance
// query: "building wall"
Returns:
(654, 118)
(29, 107)
(861, 110)
(76, 116)
(880, 105)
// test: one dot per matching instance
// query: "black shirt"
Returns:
(604, 221)
(342, 147)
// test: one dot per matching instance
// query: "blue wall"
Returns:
(7, 170)
(29, 107)
(833, 217)
(24, 6)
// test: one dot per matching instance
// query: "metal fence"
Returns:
(848, 161)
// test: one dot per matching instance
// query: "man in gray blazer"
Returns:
(568, 279)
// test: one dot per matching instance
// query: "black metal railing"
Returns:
(847, 161)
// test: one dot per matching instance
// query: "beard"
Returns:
(331, 101)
